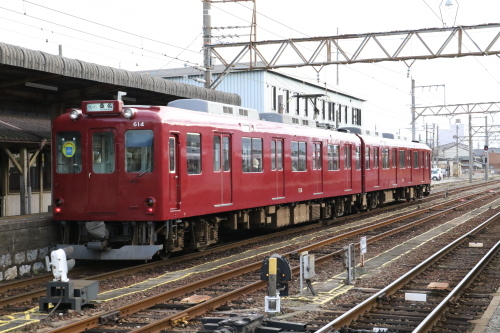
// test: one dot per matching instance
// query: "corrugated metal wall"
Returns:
(249, 85)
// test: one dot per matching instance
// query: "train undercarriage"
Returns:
(141, 240)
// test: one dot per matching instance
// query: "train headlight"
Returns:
(150, 205)
(75, 114)
(129, 113)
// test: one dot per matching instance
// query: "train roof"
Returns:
(215, 108)
(221, 122)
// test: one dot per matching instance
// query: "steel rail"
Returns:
(43, 278)
(435, 316)
(200, 309)
(173, 320)
(365, 306)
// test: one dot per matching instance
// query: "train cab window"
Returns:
(103, 152)
(367, 158)
(347, 157)
(333, 157)
(193, 152)
(375, 157)
(415, 159)
(139, 150)
(358, 159)
(385, 158)
(251, 154)
(402, 159)
(69, 152)
(299, 156)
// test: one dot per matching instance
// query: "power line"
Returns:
(106, 55)
(106, 26)
(98, 36)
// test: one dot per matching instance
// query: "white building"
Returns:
(269, 91)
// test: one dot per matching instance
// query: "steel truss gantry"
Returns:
(361, 48)
(457, 109)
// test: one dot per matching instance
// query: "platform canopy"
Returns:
(32, 77)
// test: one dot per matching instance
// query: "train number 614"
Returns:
(138, 123)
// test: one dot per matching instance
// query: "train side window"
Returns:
(402, 159)
(69, 152)
(375, 157)
(256, 155)
(193, 152)
(347, 157)
(317, 156)
(385, 158)
(333, 157)
(171, 154)
(358, 159)
(394, 158)
(367, 158)
(217, 153)
(139, 150)
(276, 154)
(415, 159)
(225, 153)
(273, 155)
(299, 156)
(251, 154)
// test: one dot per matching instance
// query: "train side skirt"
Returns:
(126, 252)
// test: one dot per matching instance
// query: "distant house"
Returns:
(270, 91)
(448, 155)
(449, 151)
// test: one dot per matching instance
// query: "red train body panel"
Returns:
(167, 179)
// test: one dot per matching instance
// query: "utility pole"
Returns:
(207, 40)
(487, 164)
(471, 160)
(337, 60)
(437, 145)
(413, 110)
(456, 137)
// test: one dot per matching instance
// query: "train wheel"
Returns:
(201, 249)
(164, 255)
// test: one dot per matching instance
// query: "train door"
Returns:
(277, 167)
(348, 166)
(317, 169)
(410, 165)
(103, 178)
(395, 172)
(422, 165)
(223, 167)
(376, 165)
(173, 165)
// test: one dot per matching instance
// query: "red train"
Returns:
(134, 181)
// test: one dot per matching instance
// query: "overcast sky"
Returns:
(159, 34)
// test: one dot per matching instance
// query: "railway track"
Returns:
(144, 308)
(7, 288)
(459, 263)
